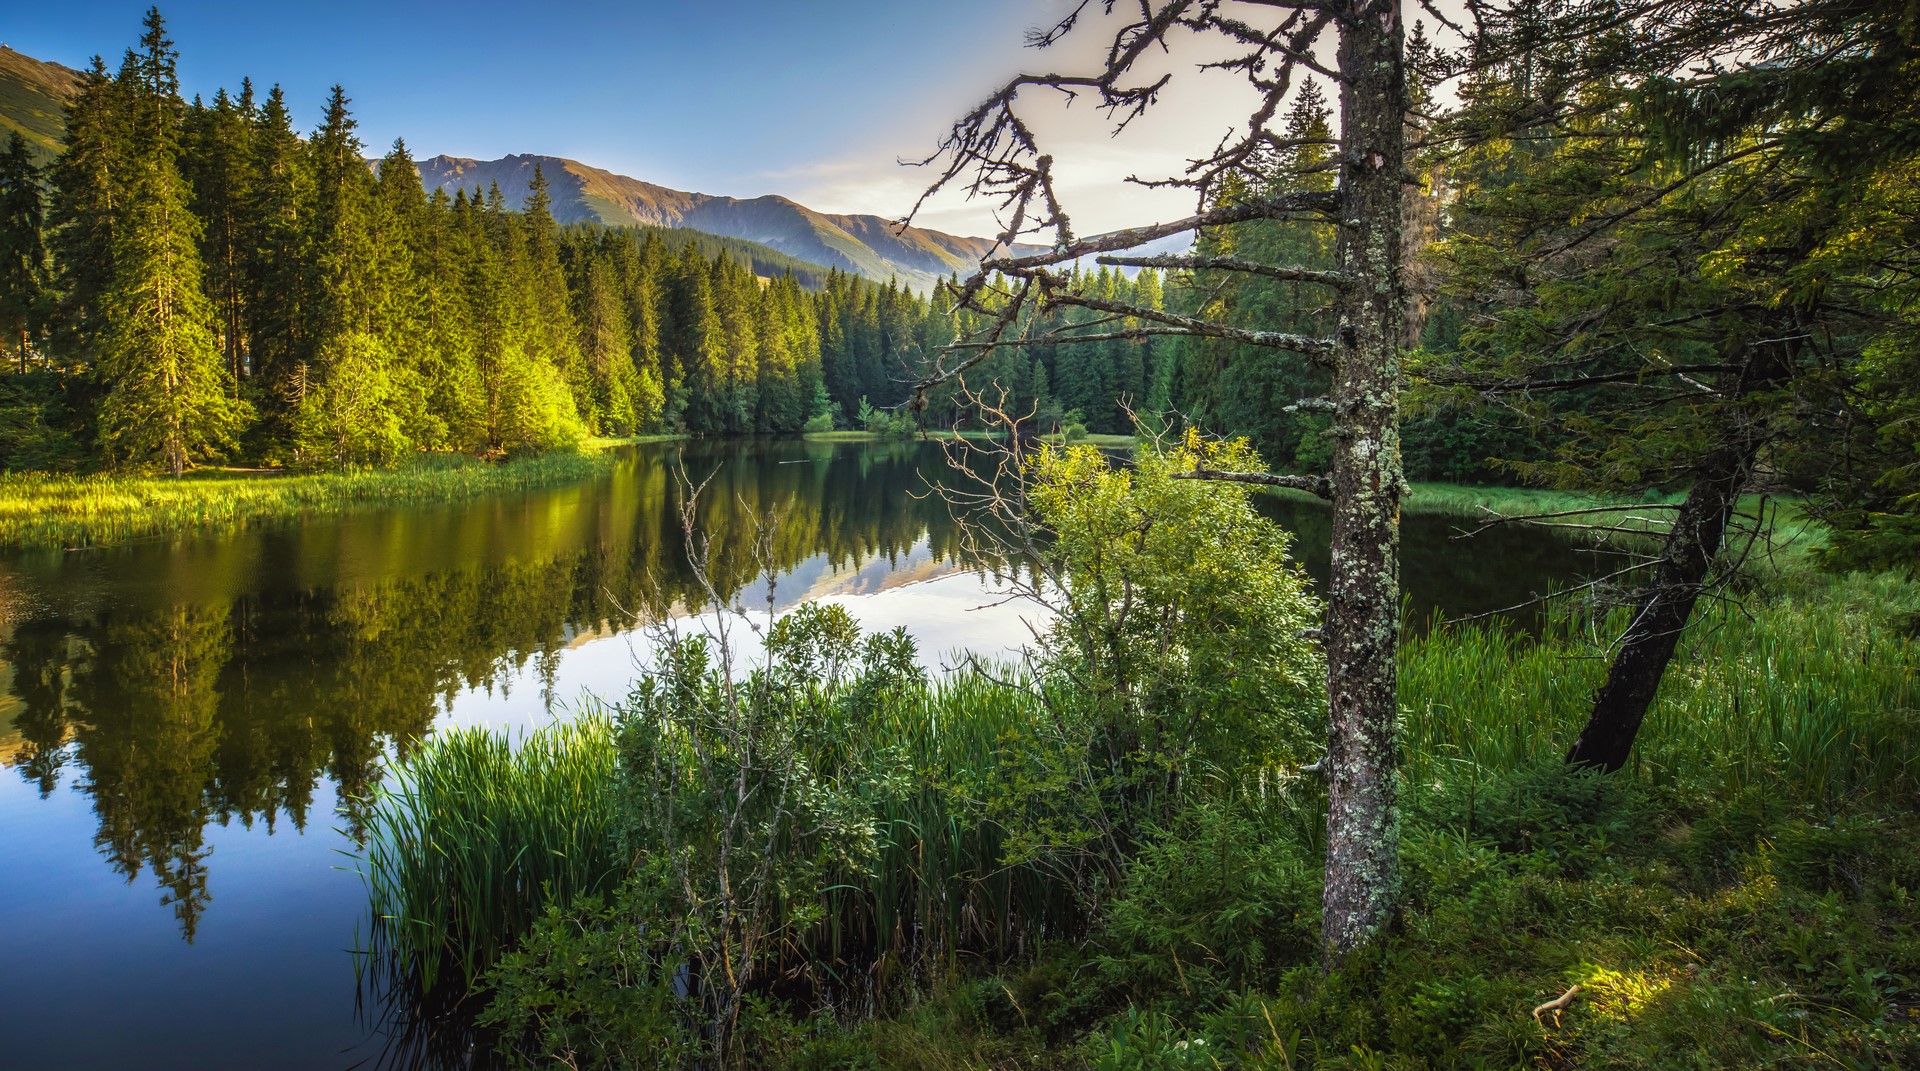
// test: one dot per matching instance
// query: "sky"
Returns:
(817, 100)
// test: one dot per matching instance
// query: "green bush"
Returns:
(1183, 624)
(1223, 900)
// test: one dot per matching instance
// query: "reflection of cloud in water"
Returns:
(949, 611)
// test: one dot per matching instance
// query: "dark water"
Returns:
(182, 720)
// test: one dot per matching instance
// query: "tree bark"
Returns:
(1699, 530)
(1363, 607)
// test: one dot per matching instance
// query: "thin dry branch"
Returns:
(1195, 262)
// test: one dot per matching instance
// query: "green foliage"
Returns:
(818, 423)
(893, 426)
(590, 987)
(1225, 899)
(1182, 620)
(353, 417)
(33, 433)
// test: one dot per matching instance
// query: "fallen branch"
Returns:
(1556, 1006)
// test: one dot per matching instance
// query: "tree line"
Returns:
(192, 281)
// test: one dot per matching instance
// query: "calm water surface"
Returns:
(185, 723)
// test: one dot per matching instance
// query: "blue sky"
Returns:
(743, 97)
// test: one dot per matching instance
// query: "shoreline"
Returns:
(39, 511)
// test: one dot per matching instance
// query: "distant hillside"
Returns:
(863, 244)
(33, 95)
(33, 100)
(766, 262)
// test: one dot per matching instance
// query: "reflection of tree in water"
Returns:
(148, 740)
(254, 670)
(229, 706)
(39, 656)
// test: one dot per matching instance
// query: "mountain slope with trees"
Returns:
(868, 245)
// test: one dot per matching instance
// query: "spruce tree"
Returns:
(277, 262)
(89, 181)
(168, 399)
(23, 250)
(217, 159)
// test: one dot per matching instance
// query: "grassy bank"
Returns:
(41, 511)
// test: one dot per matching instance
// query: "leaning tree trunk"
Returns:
(1682, 572)
(1363, 605)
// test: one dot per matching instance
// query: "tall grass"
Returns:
(38, 510)
(942, 885)
(471, 837)
(1813, 690)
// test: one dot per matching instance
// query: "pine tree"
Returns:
(168, 399)
(89, 181)
(23, 250)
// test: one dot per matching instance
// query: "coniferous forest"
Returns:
(197, 281)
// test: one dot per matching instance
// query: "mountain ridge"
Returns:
(34, 92)
(581, 193)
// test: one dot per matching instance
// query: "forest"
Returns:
(195, 282)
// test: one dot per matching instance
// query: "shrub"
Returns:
(1183, 624)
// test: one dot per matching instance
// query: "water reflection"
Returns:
(189, 684)
(216, 681)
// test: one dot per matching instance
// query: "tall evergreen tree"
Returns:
(278, 269)
(217, 159)
(23, 249)
(89, 181)
(168, 400)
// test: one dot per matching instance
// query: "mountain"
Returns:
(33, 96)
(864, 244)
(33, 100)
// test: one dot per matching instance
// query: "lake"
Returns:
(186, 723)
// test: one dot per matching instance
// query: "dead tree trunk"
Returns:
(1363, 606)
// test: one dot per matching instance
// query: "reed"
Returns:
(43, 511)
(470, 838)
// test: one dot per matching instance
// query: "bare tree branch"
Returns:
(1201, 263)
(1318, 486)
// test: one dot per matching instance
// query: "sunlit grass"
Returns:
(38, 510)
